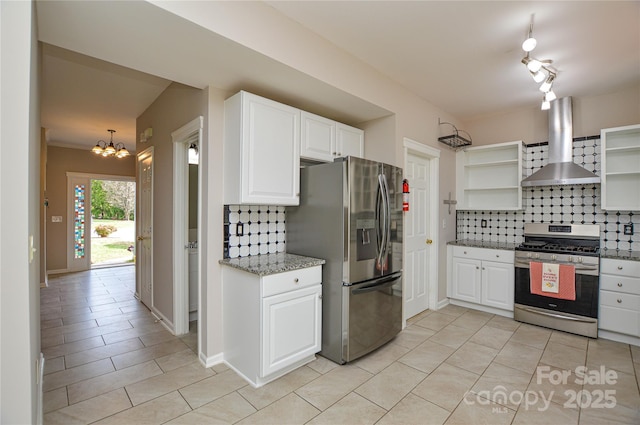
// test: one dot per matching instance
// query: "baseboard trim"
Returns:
(442, 303)
(58, 271)
(211, 361)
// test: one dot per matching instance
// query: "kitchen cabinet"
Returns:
(481, 278)
(261, 151)
(271, 324)
(324, 140)
(620, 300)
(620, 179)
(488, 177)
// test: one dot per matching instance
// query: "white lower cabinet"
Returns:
(619, 315)
(481, 278)
(271, 324)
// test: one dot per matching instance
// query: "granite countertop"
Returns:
(620, 255)
(266, 264)
(483, 244)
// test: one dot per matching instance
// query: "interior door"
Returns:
(144, 245)
(416, 286)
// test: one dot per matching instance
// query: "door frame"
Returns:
(181, 139)
(411, 147)
(70, 207)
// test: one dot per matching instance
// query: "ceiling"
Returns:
(463, 57)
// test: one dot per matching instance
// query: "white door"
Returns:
(79, 222)
(144, 244)
(417, 237)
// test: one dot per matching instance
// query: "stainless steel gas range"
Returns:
(573, 245)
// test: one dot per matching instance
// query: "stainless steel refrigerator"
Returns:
(350, 214)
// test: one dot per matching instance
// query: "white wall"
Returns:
(19, 214)
(590, 114)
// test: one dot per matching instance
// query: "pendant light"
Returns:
(102, 148)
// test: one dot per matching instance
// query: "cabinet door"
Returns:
(350, 141)
(466, 279)
(292, 327)
(497, 285)
(318, 138)
(270, 152)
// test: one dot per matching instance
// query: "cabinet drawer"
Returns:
(292, 280)
(629, 285)
(620, 300)
(620, 267)
(497, 255)
(619, 320)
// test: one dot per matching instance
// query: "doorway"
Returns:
(112, 222)
(187, 201)
(80, 195)
(421, 230)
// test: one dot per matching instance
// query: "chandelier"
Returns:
(118, 150)
(539, 69)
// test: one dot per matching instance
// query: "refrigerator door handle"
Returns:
(377, 284)
(382, 222)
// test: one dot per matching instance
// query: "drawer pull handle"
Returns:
(619, 301)
(295, 280)
(465, 253)
(497, 255)
(619, 285)
(619, 267)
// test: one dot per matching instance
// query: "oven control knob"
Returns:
(579, 259)
(537, 255)
(554, 257)
(529, 254)
(570, 259)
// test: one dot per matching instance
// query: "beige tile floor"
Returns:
(109, 362)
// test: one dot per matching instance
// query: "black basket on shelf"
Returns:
(455, 140)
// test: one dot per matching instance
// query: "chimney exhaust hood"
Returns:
(561, 170)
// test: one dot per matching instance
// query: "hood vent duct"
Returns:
(561, 170)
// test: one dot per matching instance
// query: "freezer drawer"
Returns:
(374, 314)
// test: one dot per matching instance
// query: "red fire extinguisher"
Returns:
(405, 195)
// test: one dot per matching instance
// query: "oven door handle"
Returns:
(579, 267)
(556, 315)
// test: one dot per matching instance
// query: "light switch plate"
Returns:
(56, 219)
(628, 229)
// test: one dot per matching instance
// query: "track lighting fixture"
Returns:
(540, 70)
(530, 43)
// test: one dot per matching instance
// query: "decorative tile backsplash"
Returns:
(253, 229)
(559, 204)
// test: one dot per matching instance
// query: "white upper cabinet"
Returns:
(318, 138)
(620, 179)
(349, 141)
(261, 151)
(488, 177)
(323, 139)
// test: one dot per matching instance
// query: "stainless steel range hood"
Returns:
(561, 170)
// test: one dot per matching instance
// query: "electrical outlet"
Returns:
(483, 223)
(628, 229)
(240, 229)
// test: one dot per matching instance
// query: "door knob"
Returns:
(428, 241)
(140, 238)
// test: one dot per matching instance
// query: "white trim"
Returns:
(57, 271)
(442, 303)
(207, 362)
(93, 176)
(180, 138)
(433, 155)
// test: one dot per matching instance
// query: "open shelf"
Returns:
(621, 168)
(488, 177)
